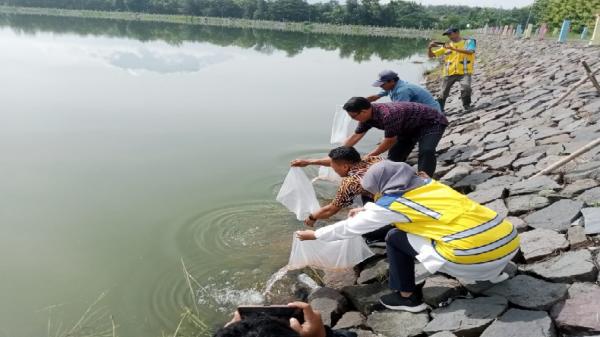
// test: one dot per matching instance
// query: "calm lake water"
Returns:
(127, 147)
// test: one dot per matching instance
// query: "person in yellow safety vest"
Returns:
(442, 228)
(459, 59)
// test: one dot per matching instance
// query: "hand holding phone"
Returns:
(283, 312)
(303, 319)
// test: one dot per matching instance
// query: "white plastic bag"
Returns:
(330, 255)
(297, 194)
(328, 174)
(340, 129)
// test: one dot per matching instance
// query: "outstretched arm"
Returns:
(373, 217)
(385, 145)
(326, 161)
(352, 140)
(462, 51)
(324, 212)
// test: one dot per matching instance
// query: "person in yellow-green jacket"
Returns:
(442, 228)
(459, 59)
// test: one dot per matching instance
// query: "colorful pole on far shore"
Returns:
(564, 31)
(543, 31)
(595, 41)
(528, 31)
(584, 33)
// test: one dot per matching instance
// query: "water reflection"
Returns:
(149, 60)
(359, 48)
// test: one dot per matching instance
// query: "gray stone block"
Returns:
(521, 323)
(351, 319)
(534, 185)
(540, 243)
(591, 220)
(397, 323)
(528, 292)
(525, 203)
(557, 216)
(579, 315)
(568, 267)
(466, 317)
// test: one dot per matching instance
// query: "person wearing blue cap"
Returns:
(402, 91)
(459, 58)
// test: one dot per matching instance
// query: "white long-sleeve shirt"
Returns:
(375, 217)
(372, 218)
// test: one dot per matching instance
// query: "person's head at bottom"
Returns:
(266, 326)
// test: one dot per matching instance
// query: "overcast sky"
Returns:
(480, 3)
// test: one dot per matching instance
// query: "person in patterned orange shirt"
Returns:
(348, 164)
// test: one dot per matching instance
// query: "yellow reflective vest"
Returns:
(461, 230)
(456, 63)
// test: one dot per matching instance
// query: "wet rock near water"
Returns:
(374, 273)
(339, 278)
(287, 286)
(365, 298)
(330, 303)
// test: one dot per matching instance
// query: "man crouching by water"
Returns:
(443, 229)
(348, 164)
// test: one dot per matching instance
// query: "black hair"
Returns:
(357, 104)
(345, 153)
(263, 326)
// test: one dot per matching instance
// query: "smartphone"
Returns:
(278, 311)
(438, 43)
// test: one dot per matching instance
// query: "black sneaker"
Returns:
(395, 301)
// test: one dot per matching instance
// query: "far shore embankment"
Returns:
(304, 27)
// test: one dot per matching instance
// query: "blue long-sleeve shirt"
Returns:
(408, 92)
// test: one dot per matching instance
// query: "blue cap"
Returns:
(384, 76)
(450, 31)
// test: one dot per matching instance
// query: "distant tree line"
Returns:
(580, 12)
(358, 48)
(395, 13)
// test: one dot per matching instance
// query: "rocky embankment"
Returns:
(491, 153)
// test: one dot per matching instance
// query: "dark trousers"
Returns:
(465, 89)
(428, 139)
(401, 257)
